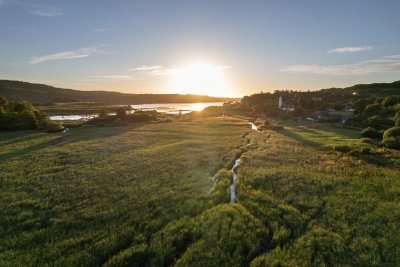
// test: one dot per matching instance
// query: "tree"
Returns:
(121, 113)
(103, 114)
(396, 118)
(380, 123)
(371, 133)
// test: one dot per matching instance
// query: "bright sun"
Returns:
(202, 79)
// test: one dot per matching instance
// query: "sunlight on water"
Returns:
(176, 108)
(198, 106)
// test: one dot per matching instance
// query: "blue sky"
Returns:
(139, 46)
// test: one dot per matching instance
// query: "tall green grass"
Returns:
(323, 207)
(86, 196)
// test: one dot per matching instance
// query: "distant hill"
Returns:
(41, 94)
(376, 90)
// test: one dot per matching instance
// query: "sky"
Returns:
(219, 48)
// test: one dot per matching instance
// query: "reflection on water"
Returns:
(176, 108)
(72, 117)
(171, 108)
(253, 127)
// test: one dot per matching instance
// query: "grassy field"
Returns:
(157, 194)
(322, 207)
(79, 198)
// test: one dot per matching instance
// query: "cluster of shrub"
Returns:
(121, 118)
(380, 119)
(19, 115)
(380, 116)
(269, 125)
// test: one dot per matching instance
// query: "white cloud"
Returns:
(147, 68)
(114, 77)
(79, 53)
(160, 70)
(380, 65)
(45, 13)
(153, 70)
(350, 49)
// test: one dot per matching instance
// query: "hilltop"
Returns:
(42, 93)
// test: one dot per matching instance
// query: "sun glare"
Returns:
(201, 79)
(198, 106)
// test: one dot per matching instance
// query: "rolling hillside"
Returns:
(41, 93)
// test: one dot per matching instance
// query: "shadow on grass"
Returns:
(298, 138)
(329, 128)
(14, 137)
(73, 135)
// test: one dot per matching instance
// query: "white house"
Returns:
(286, 107)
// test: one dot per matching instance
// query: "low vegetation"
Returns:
(322, 208)
(100, 195)
(18, 115)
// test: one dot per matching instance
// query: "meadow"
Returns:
(322, 207)
(81, 197)
(157, 194)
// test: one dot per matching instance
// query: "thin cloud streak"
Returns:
(45, 13)
(80, 53)
(160, 70)
(153, 70)
(147, 68)
(381, 65)
(23, 29)
(114, 77)
(350, 49)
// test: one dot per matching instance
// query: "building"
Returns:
(284, 106)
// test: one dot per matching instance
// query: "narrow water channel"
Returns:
(234, 180)
(253, 126)
(233, 170)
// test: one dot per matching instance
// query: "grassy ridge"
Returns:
(82, 197)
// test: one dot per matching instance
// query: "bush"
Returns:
(267, 123)
(396, 119)
(391, 138)
(379, 122)
(276, 127)
(121, 113)
(371, 133)
(54, 127)
(18, 115)
(358, 152)
(342, 148)
(143, 117)
(367, 140)
(166, 120)
(118, 122)
(103, 114)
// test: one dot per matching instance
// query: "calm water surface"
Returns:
(170, 108)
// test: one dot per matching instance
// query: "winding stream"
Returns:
(253, 127)
(233, 170)
(234, 180)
